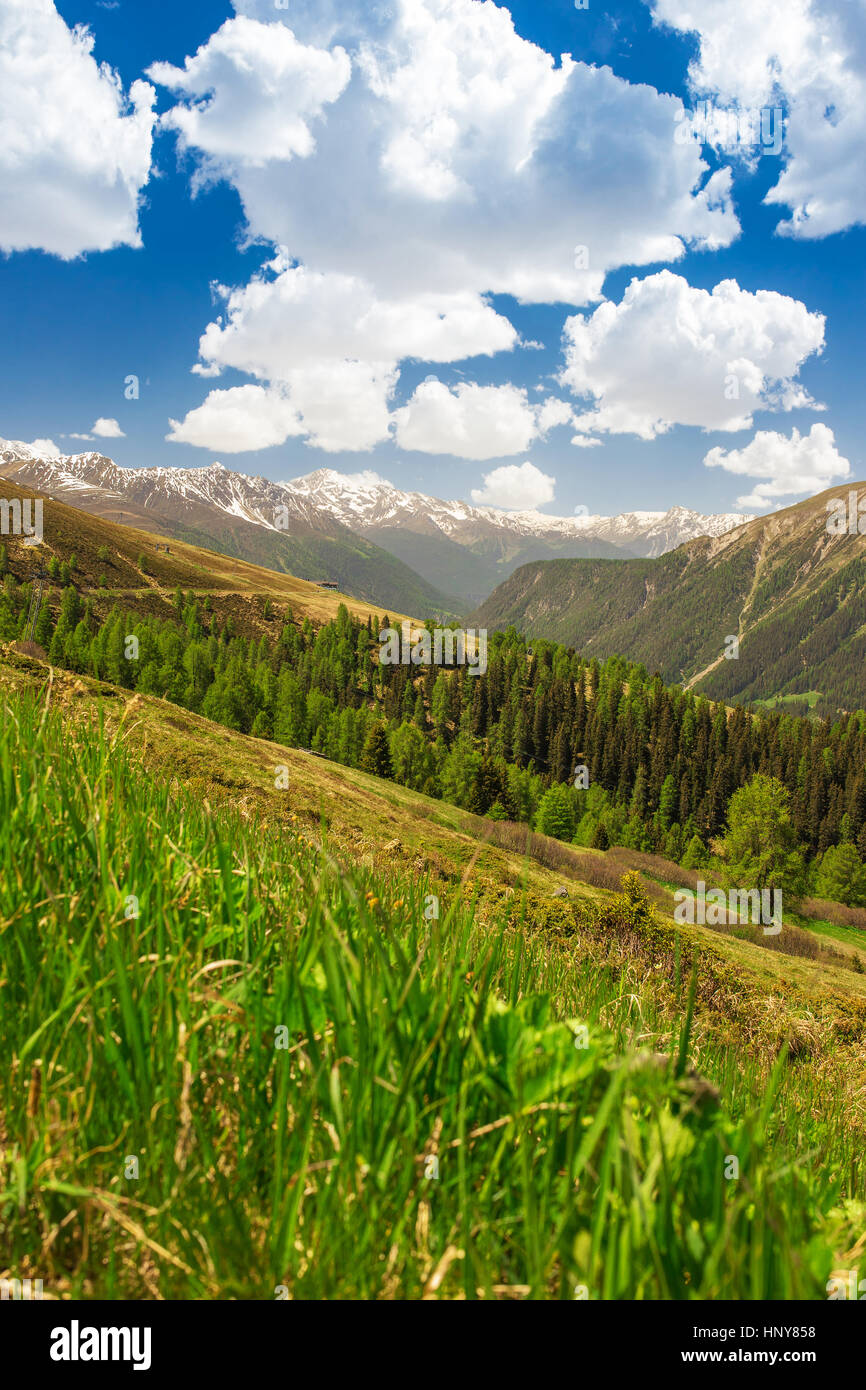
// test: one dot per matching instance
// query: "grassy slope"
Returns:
(235, 586)
(355, 562)
(244, 915)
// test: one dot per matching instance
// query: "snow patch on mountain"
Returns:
(366, 500)
(361, 501)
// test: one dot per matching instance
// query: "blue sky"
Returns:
(416, 193)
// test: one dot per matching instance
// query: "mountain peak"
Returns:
(365, 501)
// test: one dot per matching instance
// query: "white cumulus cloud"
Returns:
(253, 92)
(517, 487)
(287, 319)
(46, 448)
(344, 405)
(809, 59)
(801, 463)
(470, 421)
(74, 149)
(464, 157)
(105, 428)
(102, 429)
(337, 405)
(237, 420)
(671, 354)
(413, 159)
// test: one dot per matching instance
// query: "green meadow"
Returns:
(241, 1066)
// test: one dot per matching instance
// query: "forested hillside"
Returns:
(660, 764)
(790, 590)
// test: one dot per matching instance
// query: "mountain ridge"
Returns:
(371, 500)
(458, 553)
(220, 510)
(791, 591)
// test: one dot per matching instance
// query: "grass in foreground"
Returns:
(324, 1090)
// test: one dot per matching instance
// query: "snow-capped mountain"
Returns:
(183, 491)
(455, 547)
(249, 519)
(361, 501)
(364, 500)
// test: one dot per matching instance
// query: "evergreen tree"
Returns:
(695, 856)
(376, 754)
(600, 839)
(555, 814)
(668, 801)
(760, 845)
(44, 625)
(842, 876)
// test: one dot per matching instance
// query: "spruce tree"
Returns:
(376, 753)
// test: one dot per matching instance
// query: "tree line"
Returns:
(594, 752)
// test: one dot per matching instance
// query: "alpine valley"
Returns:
(789, 586)
(400, 549)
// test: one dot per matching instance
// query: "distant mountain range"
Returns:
(791, 591)
(398, 548)
(475, 548)
(249, 518)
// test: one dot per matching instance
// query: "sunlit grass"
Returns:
(325, 1091)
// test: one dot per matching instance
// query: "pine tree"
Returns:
(560, 755)
(842, 876)
(668, 802)
(695, 856)
(486, 788)
(639, 796)
(376, 753)
(600, 839)
(44, 625)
